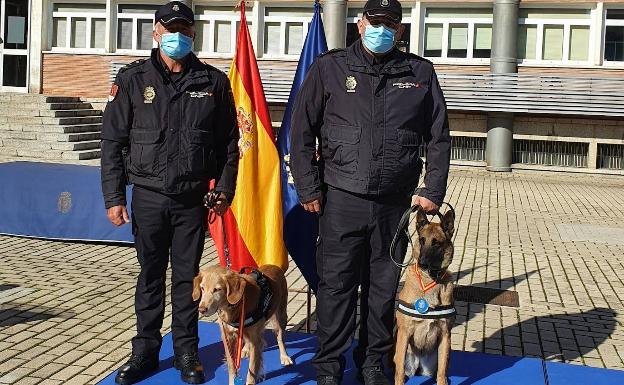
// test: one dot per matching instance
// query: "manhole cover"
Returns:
(486, 295)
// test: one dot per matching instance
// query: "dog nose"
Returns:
(202, 309)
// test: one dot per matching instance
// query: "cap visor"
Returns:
(174, 18)
(382, 13)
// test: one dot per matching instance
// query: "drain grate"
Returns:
(486, 295)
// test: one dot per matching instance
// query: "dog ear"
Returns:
(235, 288)
(197, 286)
(421, 219)
(448, 223)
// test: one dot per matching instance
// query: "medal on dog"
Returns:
(239, 381)
(421, 306)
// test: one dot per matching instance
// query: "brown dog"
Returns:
(426, 306)
(222, 291)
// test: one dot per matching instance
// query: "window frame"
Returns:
(68, 16)
(135, 17)
(213, 19)
(472, 22)
(567, 25)
(610, 23)
(283, 21)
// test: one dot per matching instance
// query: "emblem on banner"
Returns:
(64, 202)
(245, 126)
(351, 83)
(149, 94)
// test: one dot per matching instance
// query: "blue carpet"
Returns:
(565, 374)
(56, 201)
(466, 368)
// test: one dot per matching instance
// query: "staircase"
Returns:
(48, 128)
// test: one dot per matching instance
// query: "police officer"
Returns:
(369, 107)
(169, 128)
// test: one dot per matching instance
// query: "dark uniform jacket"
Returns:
(370, 120)
(169, 134)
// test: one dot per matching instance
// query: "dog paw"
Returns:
(442, 380)
(286, 361)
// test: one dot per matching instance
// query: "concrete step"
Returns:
(82, 155)
(50, 154)
(48, 145)
(56, 128)
(24, 104)
(26, 112)
(41, 120)
(36, 98)
(73, 137)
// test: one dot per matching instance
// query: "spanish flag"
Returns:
(254, 223)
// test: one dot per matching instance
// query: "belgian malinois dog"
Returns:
(426, 310)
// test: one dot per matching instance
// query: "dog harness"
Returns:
(264, 303)
(430, 313)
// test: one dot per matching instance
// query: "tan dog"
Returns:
(222, 291)
(426, 306)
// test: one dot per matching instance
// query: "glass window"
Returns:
(527, 41)
(294, 38)
(482, 41)
(553, 42)
(614, 43)
(202, 35)
(614, 35)
(78, 33)
(144, 34)
(223, 36)
(458, 40)
(59, 32)
(98, 33)
(272, 38)
(433, 40)
(124, 34)
(579, 43)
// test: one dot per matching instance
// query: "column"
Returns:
(503, 60)
(335, 22)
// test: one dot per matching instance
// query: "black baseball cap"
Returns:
(175, 11)
(390, 9)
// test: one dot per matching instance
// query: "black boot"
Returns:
(327, 380)
(190, 367)
(137, 368)
(373, 375)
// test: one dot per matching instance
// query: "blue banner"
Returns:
(300, 227)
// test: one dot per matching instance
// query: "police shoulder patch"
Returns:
(420, 58)
(134, 64)
(335, 50)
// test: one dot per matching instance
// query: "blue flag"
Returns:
(300, 227)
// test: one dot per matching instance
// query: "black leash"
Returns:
(403, 229)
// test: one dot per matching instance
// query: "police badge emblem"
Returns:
(176, 7)
(149, 94)
(384, 3)
(351, 83)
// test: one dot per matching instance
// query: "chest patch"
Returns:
(198, 94)
(406, 85)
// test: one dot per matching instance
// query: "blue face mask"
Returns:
(176, 45)
(379, 39)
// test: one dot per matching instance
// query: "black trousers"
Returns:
(167, 227)
(353, 250)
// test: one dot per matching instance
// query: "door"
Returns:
(14, 18)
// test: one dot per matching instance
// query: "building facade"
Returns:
(75, 47)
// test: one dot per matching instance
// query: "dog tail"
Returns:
(411, 363)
